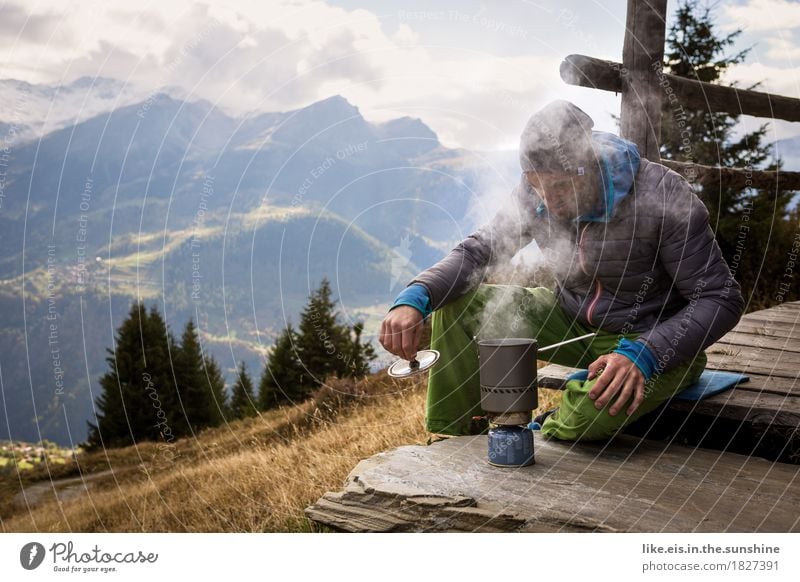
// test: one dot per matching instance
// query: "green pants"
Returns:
(498, 311)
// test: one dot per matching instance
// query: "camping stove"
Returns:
(509, 395)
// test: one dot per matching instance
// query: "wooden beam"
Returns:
(640, 119)
(690, 94)
(593, 73)
(735, 177)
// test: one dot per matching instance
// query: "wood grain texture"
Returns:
(586, 71)
(734, 177)
(643, 45)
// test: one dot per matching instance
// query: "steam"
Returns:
(554, 146)
(555, 139)
(502, 314)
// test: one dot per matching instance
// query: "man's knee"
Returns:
(577, 417)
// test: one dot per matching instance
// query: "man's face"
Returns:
(566, 196)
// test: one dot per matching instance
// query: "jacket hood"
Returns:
(619, 162)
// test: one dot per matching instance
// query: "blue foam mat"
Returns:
(710, 382)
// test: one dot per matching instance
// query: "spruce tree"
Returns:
(137, 399)
(281, 380)
(322, 341)
(753, 228)
(125, 364)
(161, 351)
(193, 386)
(360, 354)
(219, 397)
(243, 402)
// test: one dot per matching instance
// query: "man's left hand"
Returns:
(618, 376)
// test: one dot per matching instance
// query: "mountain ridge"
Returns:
(116, 206)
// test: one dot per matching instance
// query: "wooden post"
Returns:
(640, 119)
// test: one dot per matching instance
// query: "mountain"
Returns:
(38, 109)
(229, 220)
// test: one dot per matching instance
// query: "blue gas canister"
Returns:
(510, 446)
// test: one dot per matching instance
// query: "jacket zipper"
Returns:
(593, 304)
(598, 285)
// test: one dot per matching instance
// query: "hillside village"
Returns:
(28, 455)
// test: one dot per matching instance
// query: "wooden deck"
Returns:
(759, 417)
(688, 475)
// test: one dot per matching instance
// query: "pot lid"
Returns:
(404, 368)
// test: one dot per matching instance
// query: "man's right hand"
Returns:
(401, 331)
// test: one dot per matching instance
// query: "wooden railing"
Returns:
(643, 84)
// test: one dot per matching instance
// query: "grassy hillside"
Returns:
(250, 476)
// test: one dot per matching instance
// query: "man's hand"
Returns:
(617, 375)
(401, 331)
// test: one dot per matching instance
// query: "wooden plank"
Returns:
(760, 330)
(761, 353)
(607, 75)
(733, 339)
(630, 485)
(770, 411)
(777, 323)
(767, 319)
(640, 119)
(768, 329)
(720, 362)
(554, 376)
(734, 177)
(765, 384)
(768, 315)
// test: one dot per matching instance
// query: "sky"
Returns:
(473, 71)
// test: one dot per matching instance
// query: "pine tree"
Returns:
(322, 341)
(219, 397)
(242, 398)
(125, 363)
(161, 350)
(193, 386)
(281, 380)
(360, 354)
(137, 399)
(744, 220)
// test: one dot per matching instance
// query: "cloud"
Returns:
(17, 25)
(782, 49)
(277, 55)
(777, 80)
(764, 15)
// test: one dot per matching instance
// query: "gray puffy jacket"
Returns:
(653, 268)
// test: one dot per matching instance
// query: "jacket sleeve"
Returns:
(690, 254)
(465, 267)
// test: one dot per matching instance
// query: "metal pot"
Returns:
(508, 375)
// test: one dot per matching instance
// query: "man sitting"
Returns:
(635, 261)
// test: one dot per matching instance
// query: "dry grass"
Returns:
(250, 476)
